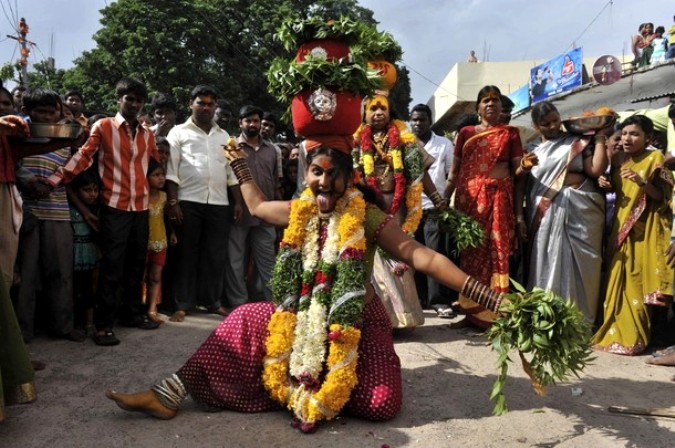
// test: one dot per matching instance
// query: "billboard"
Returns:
(521, 98)
(557, 75)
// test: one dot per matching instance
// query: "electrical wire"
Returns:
(572, 45)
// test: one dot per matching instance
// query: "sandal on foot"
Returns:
(444, 311)
(178, 316)
(105, 338)
(221, 311)
(154, 317)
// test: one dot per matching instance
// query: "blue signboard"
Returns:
(521, 98)
(558, 75)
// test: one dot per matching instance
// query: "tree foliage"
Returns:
(172, 45)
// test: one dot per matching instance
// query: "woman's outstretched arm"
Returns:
(427, 261)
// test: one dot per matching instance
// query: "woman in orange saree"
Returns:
(487, 160)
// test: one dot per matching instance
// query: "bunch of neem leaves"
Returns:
(464, 230)
(545, 328)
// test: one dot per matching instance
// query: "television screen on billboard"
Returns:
(557, 75)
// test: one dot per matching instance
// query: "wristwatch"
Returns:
(172, 202)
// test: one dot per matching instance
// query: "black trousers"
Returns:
(202, 255)
(124, 243)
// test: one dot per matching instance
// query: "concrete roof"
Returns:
(644, 88)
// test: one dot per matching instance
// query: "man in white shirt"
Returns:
(197, 182)
(441, 149)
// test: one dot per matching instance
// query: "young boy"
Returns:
(46, 239)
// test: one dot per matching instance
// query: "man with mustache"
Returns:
(197, 182)
(250, 234)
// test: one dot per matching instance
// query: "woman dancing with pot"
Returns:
(325, 346)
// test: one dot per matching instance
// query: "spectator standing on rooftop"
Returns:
(472, 57)
(660, 45)
(671, 41)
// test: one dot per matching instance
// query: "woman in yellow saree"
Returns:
(639, 276)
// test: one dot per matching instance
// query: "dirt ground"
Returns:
(447, 374)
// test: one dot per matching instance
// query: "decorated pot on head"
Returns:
(325, 109)
(326, 81)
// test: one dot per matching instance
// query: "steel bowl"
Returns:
(588, 124)
(56, 130)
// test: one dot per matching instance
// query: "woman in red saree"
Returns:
(487, 160)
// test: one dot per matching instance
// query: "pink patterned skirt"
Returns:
(226, 370)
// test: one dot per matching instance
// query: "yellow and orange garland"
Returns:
(320, 295)
(407, 165)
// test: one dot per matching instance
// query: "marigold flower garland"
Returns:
(407, 170)
(325, 287)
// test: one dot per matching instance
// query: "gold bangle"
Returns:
(601, 139)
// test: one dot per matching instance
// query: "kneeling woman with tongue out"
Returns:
(325, 345)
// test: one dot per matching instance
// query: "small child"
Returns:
(85, 252)
(157, 240)
(660, 45)
(164, 150)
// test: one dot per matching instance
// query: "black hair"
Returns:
(163, 100)
(269, 116)
(660, 29)
(290, 163)
(541, 109)
(161, 140)
(250, 110)
(225, 105)
(422, 108)
(507, 104)
(671, 111)
(345, 166)
(86, 177)
(17, 88)
(94, 118)
(40, 97)
(74, 92)
(153, 165)
(4, 90)
(485, 91)
(467, 120)
(643, 122)
(204, 90)
(130, 85)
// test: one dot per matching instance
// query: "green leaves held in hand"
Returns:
(550, 330)
(464, 230)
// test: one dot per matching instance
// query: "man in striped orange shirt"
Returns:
(124, 148)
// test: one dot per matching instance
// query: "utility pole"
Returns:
(25, 51)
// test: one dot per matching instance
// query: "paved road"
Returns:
(447, 375)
